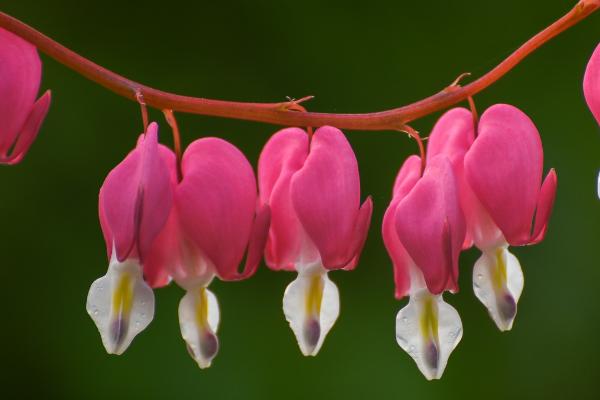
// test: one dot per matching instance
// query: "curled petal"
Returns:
(136, 197)
(363, 221)
(283, 155)
(544, 207)
(431, 226)
(29, 131)
(591, 84)
(216, 202)
(504, 169)
(326, 196)
(407, 177)
(256, 246)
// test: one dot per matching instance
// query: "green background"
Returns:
(354, 57)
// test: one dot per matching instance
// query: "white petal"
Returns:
(428, 329)
(311, 305)
(199, 320)
(599, 185)
(121, 304)
(498, 283)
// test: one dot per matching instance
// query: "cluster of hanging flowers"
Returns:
(200, 217)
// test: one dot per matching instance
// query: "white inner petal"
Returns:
(428, 329)
(498, 283)
(311, 305)
(199, 320)
(121, 304)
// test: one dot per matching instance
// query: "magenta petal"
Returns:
(406, 179)
(452, 136)
(282, 156)
(504, 169)
(591, 84)
(544, 206)
(326, 196)
(216, 201)
(20, 76)
(135, 199)
(431, 226)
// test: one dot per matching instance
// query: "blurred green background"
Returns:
(355, 57)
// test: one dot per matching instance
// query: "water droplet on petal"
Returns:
(404, 319)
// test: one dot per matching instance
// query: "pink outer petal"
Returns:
(29, 131)
(453, 135)
(591, 84)
(407, 177)
(504, 169)
(431, 226)
(326, 197)
(216, 201)
(544, 207)
(135, 199)
(282, 156)
(20, 76)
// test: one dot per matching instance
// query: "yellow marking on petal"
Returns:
(122, 301)
(429, 319)
(499, 275)
(202, 310)
(315, 296)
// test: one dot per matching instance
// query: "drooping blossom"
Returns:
(502, 195)
(423, 230)
(21, 116)
(134, 203)
(317, 223)
(591, 88)
(213, 221)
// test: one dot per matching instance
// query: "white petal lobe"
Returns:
(498, 283)
(199, 320)
(311, 305)
(121, 305)
(428, 329)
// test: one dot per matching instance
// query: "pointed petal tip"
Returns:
(311, 307)
(121, 305)
(428, 329)
(498, 283)
(199, 318)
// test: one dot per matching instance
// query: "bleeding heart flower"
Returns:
(317, 223)
(214, 219)
(20, 113)
(423, 230)
(134, 203)
(591, 88)
(502, 196)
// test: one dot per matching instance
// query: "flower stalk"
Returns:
(280, 113)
